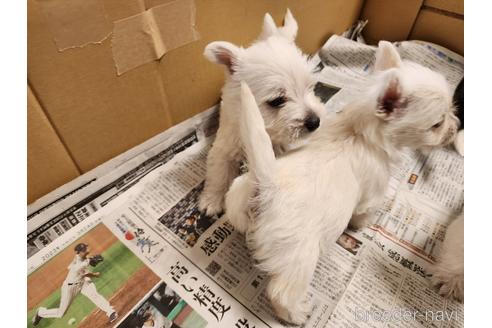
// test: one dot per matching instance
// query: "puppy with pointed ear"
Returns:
(391, 100)
(410, 95)
(293, 209)
(288, 31)
(413, 103)
(282, 83)
(386, 57)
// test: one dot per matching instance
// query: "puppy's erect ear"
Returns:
(223, 53)
(289, 30)
(269, 27)
(386, 57)
(391, 102)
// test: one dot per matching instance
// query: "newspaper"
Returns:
(56, 213)
(167, 265)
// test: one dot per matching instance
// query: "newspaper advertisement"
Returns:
(165, 264)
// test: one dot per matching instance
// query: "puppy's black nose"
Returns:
(311, 123)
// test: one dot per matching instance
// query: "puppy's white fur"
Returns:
(459, 142)
(449, 272)
(294, 207)
(273, 67)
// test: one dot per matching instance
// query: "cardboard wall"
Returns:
(96, 113)
(438, 21)
(99, 115)
(441, 27)
(49, 164)
(390, 20)
(89, 114)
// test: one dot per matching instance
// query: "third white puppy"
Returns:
(282, 82)
(296, 206)
(449, 273)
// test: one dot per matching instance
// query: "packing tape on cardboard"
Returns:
(136, 40)
(146, 37)
(76, 23)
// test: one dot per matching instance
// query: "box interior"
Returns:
(82, 112)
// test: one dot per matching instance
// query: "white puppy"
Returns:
(298, 205)
(449, 273)
(282, 82)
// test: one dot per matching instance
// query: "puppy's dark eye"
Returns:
(435, 126)
(278, 102)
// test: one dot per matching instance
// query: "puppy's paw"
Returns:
(449, 284)
(211, 204)
(239, 222)
(296, 314)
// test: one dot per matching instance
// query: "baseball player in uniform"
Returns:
(78, 281)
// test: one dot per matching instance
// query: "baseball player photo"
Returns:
(93, 282)
(78, 280)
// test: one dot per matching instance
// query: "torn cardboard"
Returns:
(146, 37)
(76, 23)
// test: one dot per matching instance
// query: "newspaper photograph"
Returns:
(90, 283)
(163, 308)
(197, 269)
(59, 211)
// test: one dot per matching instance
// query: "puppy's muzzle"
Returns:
(311, 123)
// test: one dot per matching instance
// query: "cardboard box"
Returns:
(390, 20)
(437, 21)
(88, 112)
(49, 163)
(443, 28)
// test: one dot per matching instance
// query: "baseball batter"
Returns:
(78, 281)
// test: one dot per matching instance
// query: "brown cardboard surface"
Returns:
(76, 23)
(97, 114)
(390, 20)
(453, 6)
(145, 37)
(195, 83)
(442, 29)
(48, 163)
(135, 42)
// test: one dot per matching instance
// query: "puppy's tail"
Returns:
(256, 141)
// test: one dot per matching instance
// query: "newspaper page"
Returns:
(389, 285)
(153, 273)
(61, 210)
(167, 265)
